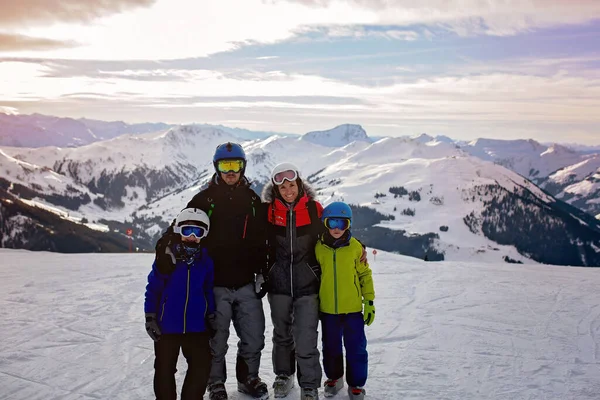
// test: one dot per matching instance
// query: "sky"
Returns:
(463, 68)
(73, 329)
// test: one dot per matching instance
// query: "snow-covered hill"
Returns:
(526, 157)
(38, 130)
(577, 184)
(337, 137)
(448, 330)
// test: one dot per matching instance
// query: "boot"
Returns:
(332, 386)
(255, 388)
(356, 393)
(217, 391)
(309, 394)
(283, 385)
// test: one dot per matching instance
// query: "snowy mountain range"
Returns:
(38, 130)
(570, 175)
(417, 196)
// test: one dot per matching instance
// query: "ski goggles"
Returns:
(189, 230)
(337, 223)
(289, 175)
(230, 166)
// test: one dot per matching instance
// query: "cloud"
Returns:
(472, 17)
(15, 42)
(358, 32)
(35, 12)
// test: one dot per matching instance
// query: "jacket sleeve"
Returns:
(209, 284)
(365, 277)
(154, 289)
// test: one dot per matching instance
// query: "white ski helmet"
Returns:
(284, 171)
(195, 216)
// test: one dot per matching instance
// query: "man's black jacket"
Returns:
(236, 241)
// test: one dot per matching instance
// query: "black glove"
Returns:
(152, 326)
(261, 286)
(211, 324)
(165, 259)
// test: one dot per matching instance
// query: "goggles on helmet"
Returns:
(189, 230)
(230, 165)
(280, 177)
(337, 223)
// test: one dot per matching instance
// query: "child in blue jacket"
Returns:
(180, 308)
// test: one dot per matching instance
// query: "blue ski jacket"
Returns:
(182, 299)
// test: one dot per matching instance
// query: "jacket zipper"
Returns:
(292, 225)
(187, 297)
(335, 293)
(162, 313)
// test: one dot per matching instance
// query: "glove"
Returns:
(211, 324)
(260, 286)
(152, 326)
(369, 312)
(165, 259)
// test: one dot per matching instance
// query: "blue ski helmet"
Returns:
(337, 209)
(229, 151)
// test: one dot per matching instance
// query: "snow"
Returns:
(73, 328)
(526, 157)
(577, 171)
(337, 137)
(72, 216)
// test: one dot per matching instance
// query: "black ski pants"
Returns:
(196, 350)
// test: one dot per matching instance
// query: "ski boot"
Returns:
(254, 387)
(217, 391)
(309, 394)
(283, 385)
(332, 386)
(356, 393)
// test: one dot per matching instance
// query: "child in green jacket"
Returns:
(346, 285)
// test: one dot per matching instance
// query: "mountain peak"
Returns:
(423, 138)
(339, 136)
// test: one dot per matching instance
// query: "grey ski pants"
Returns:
(295, 337)
(246, 311)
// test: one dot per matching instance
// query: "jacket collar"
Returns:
(330, 241)
(269, 195)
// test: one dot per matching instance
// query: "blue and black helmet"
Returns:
(337, 209)
(229, 151)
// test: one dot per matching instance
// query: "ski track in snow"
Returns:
(73, 328)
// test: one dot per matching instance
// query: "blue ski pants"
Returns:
(351, 329)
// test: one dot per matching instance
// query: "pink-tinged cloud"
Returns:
(41, 12)
(10, 42)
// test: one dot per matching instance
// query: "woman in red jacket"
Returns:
(293, 277)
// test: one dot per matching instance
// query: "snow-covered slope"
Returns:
(443, 180)
(245, 134)
(526, 157)
(448, 330)
(577, 184)
(337, 137)
(131, 170)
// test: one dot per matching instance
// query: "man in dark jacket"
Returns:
(237, 245)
